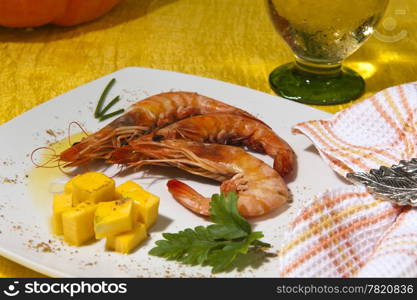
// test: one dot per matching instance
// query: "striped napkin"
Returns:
(346, 232)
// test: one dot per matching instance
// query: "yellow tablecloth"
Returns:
(230, 40)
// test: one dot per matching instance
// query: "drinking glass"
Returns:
(321, 34)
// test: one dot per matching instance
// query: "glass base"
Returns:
(292, 82)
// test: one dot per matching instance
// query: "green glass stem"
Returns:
(319, 85)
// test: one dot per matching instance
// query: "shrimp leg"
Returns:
(260, 188)
(226, 128)
(144, 116)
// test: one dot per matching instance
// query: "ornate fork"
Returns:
(397, 183)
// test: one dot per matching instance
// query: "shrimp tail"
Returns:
(188, 197)
(284, 162)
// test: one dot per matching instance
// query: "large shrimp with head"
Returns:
(143, 117)
(260, 188)
(226, 128)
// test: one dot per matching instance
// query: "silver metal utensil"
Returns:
(397, 183)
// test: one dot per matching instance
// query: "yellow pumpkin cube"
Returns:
(146, 208)
(68, 185)
(145, 204)
(61, 203)
(113, 217)
(78, 223)
(128, 187)
(127, 241)
(94, 187)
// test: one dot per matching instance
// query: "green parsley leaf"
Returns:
(221, 259)
(217, 245)
(224, 211)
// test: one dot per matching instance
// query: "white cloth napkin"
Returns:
(347, 232)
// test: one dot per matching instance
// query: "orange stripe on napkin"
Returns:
(391, 129)
(338, 236)
(327, 202)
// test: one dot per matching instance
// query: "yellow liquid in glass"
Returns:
(325, 31)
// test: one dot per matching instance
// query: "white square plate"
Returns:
(25, 207)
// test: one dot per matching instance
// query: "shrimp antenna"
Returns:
(69, 130)
(55, 158)
(61, 167)
(120, 171)
(44, 165)
(122, 168)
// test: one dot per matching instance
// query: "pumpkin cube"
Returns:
(128, 187)
(145, 204)
(93, 187)
(61, 203)
(68, 185)
(113, 217)
(127, 241)
(146, 208)
(78, 223)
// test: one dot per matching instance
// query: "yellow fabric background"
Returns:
(230, 40)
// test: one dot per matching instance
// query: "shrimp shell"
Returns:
(260, 188)
(142, 117)
(229, 129)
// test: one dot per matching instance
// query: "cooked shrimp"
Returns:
(225, 128)
(260, 188)
(143, 117)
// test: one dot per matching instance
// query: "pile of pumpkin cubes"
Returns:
(91, 207)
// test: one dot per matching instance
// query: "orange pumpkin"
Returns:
(31, 13)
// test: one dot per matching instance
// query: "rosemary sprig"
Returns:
(108, 106)
(112, 114)
(97, 113)
(101, 113)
